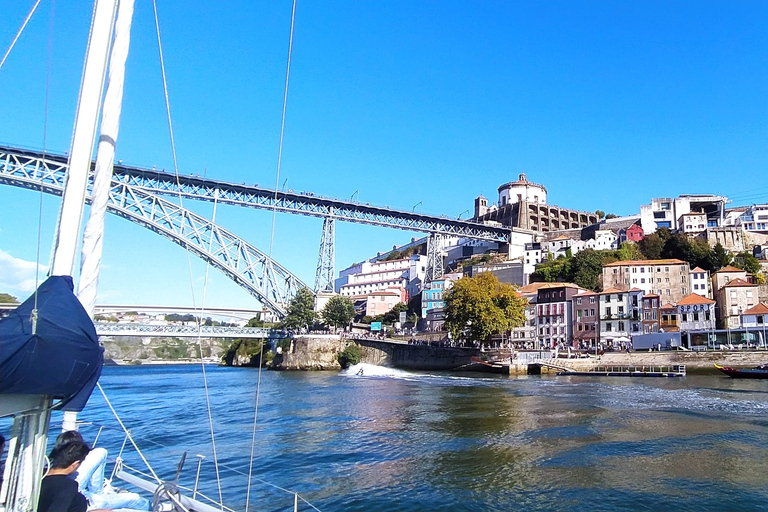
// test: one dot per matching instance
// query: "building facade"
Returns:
(669, 279)
(696, 313)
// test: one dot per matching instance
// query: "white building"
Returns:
(614, 316)
(522, 190)
(604, 240)
(666, 212)
(754, 219)
(362, 279)
(692, 223)
(700, 282)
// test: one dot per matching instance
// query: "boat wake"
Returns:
(372, 370)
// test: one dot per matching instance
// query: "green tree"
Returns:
(552, 271)
(339, 311)
(719, 258)
(746, 261)
(651, 246)
(301, 311)
(393, 315)
(586, 269)
(629, 251)
(482, 306)
(611, 216)
(600, 214)
(246, 350)
(7, 298)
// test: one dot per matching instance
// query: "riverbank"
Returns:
(695, 362)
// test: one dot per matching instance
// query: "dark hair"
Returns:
(67, 437)
(64, 455)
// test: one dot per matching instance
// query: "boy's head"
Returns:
(68, 456)
(67, 437)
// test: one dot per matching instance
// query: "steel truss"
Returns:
(262, 198)
(183, 331)
(272, 284)
(326, 269)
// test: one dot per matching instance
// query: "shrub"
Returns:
(350, 356)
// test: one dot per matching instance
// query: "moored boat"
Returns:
(480, 365)
(758, 372)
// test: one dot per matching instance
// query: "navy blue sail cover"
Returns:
(62, 359)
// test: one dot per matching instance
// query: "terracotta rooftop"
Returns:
(644, 262)
(698, 269)
(729, 268)
(738, 282)
(758, 309)
(694, 299)
(612, 290)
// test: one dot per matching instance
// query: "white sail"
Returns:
(90, 260)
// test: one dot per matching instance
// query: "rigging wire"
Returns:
(34, 315)
(282, 128)
(23, 26)
(271, 245)
(189, 259)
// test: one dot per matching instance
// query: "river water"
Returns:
(403, 441)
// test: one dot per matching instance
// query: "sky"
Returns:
(411, 104)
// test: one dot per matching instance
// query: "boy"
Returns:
(58, 492)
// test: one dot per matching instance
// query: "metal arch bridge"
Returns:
(161, 182)
(272, 284)
(134, 196)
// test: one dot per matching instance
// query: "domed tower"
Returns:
(522, 190)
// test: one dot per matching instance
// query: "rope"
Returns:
(128, 433)
(18, 34)
(189, 259)
(282, 128)
(271, 245)
(34, 315)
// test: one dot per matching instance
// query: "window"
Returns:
(695, 316)
(658, 279)
(642, 270)
(642, 280)
(614, 271)
(608, 311)
(659, 215)
(591, 312)
(609, 326)
(634, 281)
(591, 300)
(621, 326)
(620, 297)
(759, 319)
(578, 313)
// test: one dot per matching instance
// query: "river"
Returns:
(399, 441)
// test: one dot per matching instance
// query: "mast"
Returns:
(29, 438)
(81, 148)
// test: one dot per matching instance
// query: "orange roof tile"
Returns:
(692, 298)
(698, 269)
(644, 262)
(729, 268)
(758, 309)
(738, 282)
(612, 290)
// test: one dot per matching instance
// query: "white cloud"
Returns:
(17, 276)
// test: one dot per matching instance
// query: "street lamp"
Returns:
(417, 204)
(353, 195)
(462, 213)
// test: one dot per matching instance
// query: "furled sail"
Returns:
(61, 357)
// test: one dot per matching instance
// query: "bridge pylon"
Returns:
(435, 269)
(326, 264)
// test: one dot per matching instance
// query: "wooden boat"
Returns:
(758, 372)
(480, 365)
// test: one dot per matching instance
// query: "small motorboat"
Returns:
(758, 372)
(480, 365)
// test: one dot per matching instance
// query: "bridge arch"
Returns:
(271, 283)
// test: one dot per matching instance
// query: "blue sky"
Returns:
(607, 104)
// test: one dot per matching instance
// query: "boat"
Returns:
(758, 372)
(480, 365)
(51, 358)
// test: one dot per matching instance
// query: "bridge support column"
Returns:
(435, 268)
(326, 267)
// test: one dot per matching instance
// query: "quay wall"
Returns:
(320, 352)
(695, 362)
